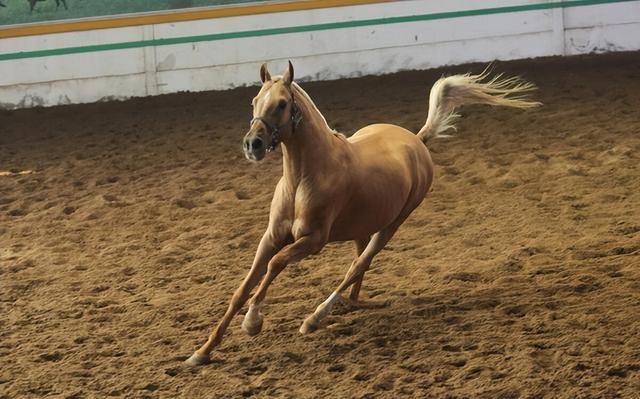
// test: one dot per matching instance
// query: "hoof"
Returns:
(197, 359)
(309, 325)
(252, 324)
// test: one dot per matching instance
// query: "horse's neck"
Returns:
(311, 147)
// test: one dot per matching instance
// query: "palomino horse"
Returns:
(335, 188)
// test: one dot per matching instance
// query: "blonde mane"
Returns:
(300, 92)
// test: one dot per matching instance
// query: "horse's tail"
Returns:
(451, 92)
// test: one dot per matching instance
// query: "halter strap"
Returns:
(296, 118)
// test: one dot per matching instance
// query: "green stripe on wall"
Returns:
(303, 28)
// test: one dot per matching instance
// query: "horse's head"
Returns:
(275, 114)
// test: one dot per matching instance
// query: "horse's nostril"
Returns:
(247, 145)
(256, 144)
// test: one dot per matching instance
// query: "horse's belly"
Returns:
(357, 226)
(369, 213)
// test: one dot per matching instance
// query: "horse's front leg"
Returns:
(294, 252)
(266, 250)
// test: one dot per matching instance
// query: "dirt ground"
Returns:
(518, 277)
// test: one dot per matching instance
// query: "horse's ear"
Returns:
(287, 77)
(264, 73)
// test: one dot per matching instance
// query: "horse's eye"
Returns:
(282, 104)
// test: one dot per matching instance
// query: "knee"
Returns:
(276, 264)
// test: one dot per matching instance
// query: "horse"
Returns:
(32, 4)
(334, 188)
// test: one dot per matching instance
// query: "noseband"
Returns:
(296, 118)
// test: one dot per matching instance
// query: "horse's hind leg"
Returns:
(355, 274)
(355, 289)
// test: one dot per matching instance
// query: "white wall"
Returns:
(318, 55)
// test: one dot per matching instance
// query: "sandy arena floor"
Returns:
(519, 277)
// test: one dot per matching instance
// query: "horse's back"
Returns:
(380, 130)
(391, 147)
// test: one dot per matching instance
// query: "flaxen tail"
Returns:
(451, 92)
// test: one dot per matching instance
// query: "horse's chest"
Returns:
(308, 213)
(294, 227)
(306, 209)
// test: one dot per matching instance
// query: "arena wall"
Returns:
(217, 49)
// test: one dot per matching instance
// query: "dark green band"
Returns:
(303, 28)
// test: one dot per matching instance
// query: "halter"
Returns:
(296, 118)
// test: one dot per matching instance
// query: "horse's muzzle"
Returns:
(254, 147)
